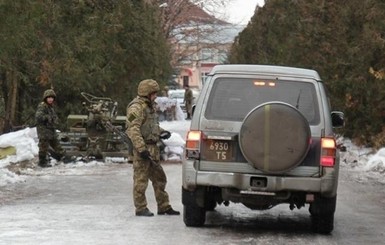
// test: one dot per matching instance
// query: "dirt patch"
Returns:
(18, 167)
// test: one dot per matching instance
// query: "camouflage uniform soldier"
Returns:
(188, 100)
(46, 121)
(144, 131)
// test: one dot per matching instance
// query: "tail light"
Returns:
(193, 142)
(328, 152)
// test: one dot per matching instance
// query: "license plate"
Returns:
(218, 150)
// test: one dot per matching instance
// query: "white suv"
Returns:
(262, 136)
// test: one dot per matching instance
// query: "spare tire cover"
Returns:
(274, 137)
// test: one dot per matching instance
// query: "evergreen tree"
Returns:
(101, 47)
(342, 40)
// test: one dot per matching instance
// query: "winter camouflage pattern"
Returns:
(144, 130)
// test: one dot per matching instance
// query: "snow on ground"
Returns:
(364, 163)
(25, 142)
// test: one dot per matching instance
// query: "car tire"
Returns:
(323, 224)
(322, 214)
(194, 216)
(274, 137)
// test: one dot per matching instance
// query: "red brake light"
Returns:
(328, 152)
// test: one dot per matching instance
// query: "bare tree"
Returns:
(190, 27)
(175, 13)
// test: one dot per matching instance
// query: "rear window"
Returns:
(232, 99)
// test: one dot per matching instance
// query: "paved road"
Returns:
(93, 205)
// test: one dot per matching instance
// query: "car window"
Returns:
(233, 98)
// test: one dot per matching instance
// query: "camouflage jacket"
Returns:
(46, 121)
(143, 126)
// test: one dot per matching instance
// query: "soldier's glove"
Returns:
(145, 155)
(165, 135)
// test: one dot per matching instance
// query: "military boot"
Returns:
(68, 159)
(43, 161)
(144, 212)
(169, 211)
(56, 155)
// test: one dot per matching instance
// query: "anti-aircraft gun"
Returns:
(97, 133)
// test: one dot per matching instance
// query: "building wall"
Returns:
(195, 70)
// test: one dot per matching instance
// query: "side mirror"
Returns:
(338, 120)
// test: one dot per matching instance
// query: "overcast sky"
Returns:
(240, 11)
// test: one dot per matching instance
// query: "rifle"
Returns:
(152, 162)
(123, 136)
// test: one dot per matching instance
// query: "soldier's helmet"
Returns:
(49, 93)
(147, 87)
(166, 88)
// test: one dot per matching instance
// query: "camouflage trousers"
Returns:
(44, 145)
(143, 172)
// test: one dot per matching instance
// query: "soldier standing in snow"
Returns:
(46, 121)
(144, 131)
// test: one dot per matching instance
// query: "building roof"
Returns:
(184, 12)
(197, 14)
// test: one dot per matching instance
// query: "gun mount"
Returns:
(98, 132)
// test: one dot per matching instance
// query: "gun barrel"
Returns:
(123, 136)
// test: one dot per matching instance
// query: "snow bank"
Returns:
(25, 142)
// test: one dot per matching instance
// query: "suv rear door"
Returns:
(230, 100)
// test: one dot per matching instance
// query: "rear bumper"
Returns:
(325, 185)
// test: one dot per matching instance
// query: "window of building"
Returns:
(208, 55)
